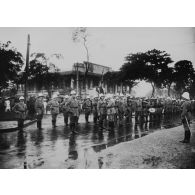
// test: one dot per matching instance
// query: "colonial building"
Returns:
(79, 80)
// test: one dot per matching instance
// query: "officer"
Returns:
(39, 108)
(74, 111)
(54, 107)
(101, 107)
(65, 109)
(185, 117)
(94, 109)
(20, 109)
(87, 107)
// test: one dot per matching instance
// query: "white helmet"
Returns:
(54, 96)
(88, 97)
(73, 92)
(66, 96)
(186, 95)
(21, 98)
(102, 95)
(40, 95)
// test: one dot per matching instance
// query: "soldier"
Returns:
(87, 107)
(39, 108)
(20, 109)
(101, 107)
(54, 107)
(80, 102)
(138, 110)
(145, 112)
(74, 111)
(65, 109)
(94, 109)
(120, 109)
(185, 117)
(111, 111)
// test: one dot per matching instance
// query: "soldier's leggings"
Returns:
(66, 115)
(87, 116)
(73, 122)
(20, 123)
(95, 117)
(186, 124)
(102, 118)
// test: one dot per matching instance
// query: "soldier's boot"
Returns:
(186, 135)
(73, 129)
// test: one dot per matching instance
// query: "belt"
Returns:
(73, 107)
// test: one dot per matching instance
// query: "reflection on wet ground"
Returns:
(58, 148)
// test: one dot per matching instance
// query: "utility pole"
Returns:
(27, 69)
(76, 65)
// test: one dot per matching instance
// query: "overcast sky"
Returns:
(107, 46)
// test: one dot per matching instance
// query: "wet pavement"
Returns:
(58, 148)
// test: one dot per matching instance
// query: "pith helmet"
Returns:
(73, 92)
(40, 95)
(186, 95)
(54, 96)
(21, 98)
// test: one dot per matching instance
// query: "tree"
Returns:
(183, 75)
(42, 71)
(151, 66)
(11, 62)
(81, 35)
(157, 71)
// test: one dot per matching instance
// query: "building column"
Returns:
(121, 90)
(71, 83)
(115, 90)
(91, 83)
(106, 88)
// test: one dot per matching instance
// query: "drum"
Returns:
(152, 110)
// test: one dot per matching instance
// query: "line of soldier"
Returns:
(105, 108)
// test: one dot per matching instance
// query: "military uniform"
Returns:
(20, 109)
(185, 118)
(111, 111)
(54, 107)
(128, 110)
(87, 107)
(102, 110)
(74, 112)
(65, 109)
(39, 108)
(95, 110)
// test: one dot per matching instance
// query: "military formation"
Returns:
(108, 110)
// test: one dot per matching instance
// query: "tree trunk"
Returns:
(169, 89)
(153, 89)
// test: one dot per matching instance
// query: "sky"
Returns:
(107, 45)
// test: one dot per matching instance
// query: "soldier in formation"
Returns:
(55, 109)
(20, 109)
(39, 108)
